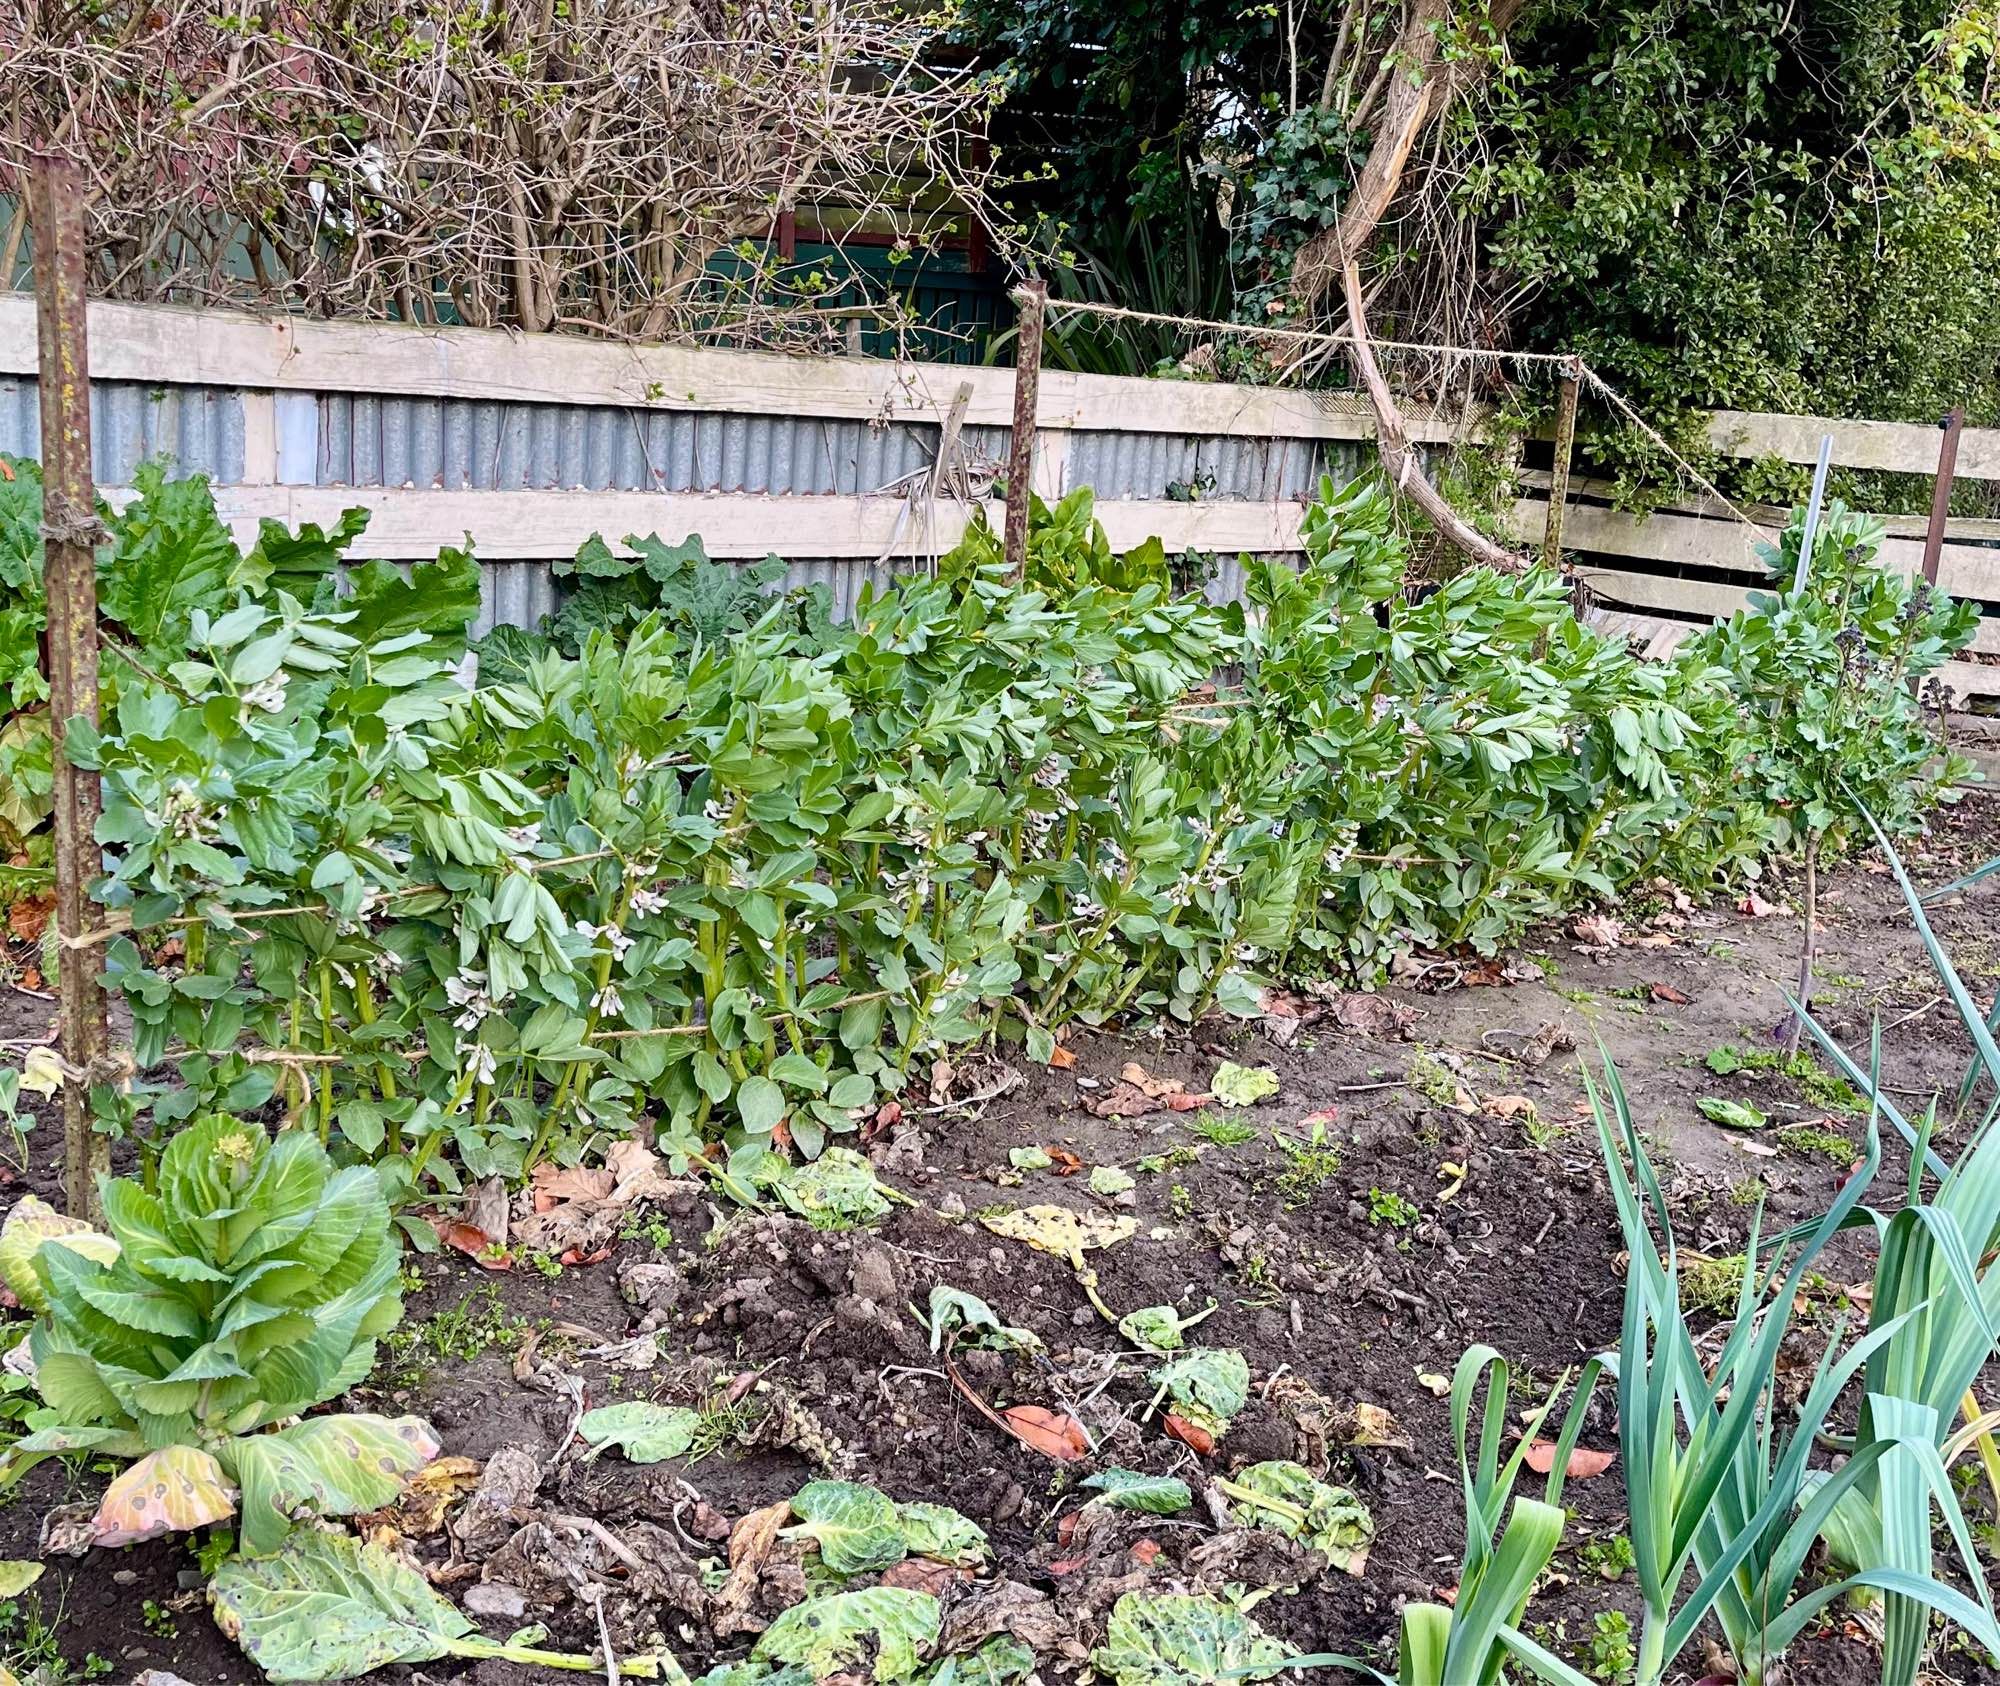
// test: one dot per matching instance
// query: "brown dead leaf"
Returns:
(1548, 1039)
(1055, 1434)
(1145, 1552)
(1363, 1013)
(557, 1183)
(419, 1513)
(1370, 1425)
(1507, 1106)
(751, 1542)
(1753, 906)
(472, 1241)
(1188, 1103)
(1597, 930)
(1061, 1059)
(1139, 1077)
(925, 1574)
(1325, 1118)
(1063, 1162)
(1667, 992)
(1190, 1434)
(1652, 939)
(1583, 1462)
(1122, 1100)
(28, 916)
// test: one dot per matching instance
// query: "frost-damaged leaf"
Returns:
(644, 1432)
(1058, 1230)
(964, 1319)
(1130, 1489)
(838, 1190)
(16, 1576)
(1207, 1384)
(325, 1466)
(1732, 1115)
(328, 1608)
(165, 1492)
(939, 1531)
(1055, 1434)
(855, 1527)
(30, 1224)
(1243, 1085)
(1184, 1639)
(1288, 1497)
(833, 1634)
(1002, 1660)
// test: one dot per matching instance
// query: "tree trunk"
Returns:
(1419, 89)
(1808, 949)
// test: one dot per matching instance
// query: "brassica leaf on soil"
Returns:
(644, 1432)
(748, 1672)
(325, 1466)
(838, 1190)
(833, 1633)
(1131, 1489)
(963, 1319)
(1029, 1158)
(1732, 1115)
(31, 1224)
(1243, 1085)
(1184, 1639)
(855, 1527)
(1058, 1230)
(1207, 1384)
(1300, 1506)
(938, 1531)
(328, 1607)
(1001, 1660)
(1110, 1182)
(1160, 1327)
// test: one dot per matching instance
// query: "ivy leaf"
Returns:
(1184, 1639)
(1207, 1384)
(1732, 1115)
(1243, 1085)
(644, 1432)
(938, 1531)
(855, 1527)
(1130, 1489)
(1290, 1499)
(834, 1633)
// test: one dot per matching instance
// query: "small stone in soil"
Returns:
(496, 1599)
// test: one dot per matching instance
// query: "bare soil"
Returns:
(1334, 1301)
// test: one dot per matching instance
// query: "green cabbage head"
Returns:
(251, 1287)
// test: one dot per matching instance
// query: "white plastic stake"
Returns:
(1812, 513)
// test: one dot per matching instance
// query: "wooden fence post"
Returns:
(1031, 298)
(1953, 424)
(69, 533)
(1566, 395)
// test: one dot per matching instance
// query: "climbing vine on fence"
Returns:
(733, 870)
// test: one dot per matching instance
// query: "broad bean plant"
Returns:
(701, 860)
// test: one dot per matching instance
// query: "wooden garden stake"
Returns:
(1031, 298)
(1552, 541)
(1952, 425)
(70, 531)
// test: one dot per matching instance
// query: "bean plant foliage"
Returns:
(710, 863)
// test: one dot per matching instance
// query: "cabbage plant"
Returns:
(194, 1336)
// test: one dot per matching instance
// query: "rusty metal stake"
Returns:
(1031, 298)
(70, 531)
(1952, 425)
(1552, 541)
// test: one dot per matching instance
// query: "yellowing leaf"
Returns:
(1243, 1085)
(16, 1577)
(42, 1071)
(168, 1491)
(1058, 1230)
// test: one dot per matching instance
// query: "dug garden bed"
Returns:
(1424, 1178)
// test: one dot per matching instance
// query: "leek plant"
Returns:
(1472, 1641)
(1717, 1483)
